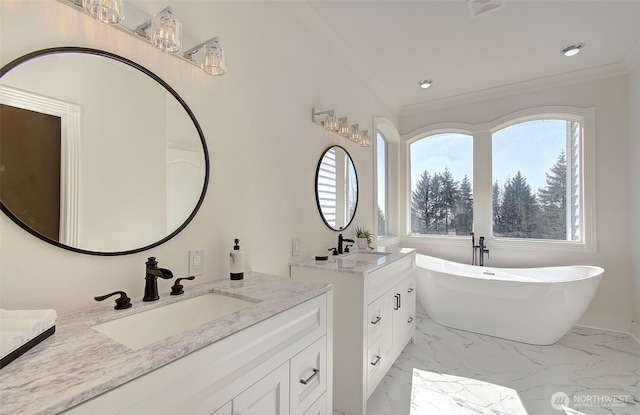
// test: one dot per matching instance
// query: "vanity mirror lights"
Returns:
(336, 188)
(98, 155)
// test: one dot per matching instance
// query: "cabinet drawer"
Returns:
(385, 278)
(225, 410)
(377, 320)
(376, 363)
(308, 375)
(319, 407)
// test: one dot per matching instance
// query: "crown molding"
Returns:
(568, 78)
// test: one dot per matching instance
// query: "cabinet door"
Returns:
(404, 313)
(268, 396)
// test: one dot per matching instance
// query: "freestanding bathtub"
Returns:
(529, 305)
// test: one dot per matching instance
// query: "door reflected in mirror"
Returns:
(132, 160)
(336, 188)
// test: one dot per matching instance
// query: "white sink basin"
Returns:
(147, 327)
(365, 256)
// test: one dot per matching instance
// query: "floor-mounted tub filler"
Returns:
(529, 305)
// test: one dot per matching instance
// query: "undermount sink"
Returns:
(142, 329)
(365, 256)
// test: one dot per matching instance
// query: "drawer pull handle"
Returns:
(410, 320)
(377, 320)
(313, 375)
(410, 290)
(375, 362)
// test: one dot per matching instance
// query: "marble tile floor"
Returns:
(593, 372)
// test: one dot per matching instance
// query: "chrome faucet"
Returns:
(341, 240)
(478, 251)
(151, 279)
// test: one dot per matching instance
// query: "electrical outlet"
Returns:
(196, 263)
(295, 247)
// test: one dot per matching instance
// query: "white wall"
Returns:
(634, 191)
(263, 148)
(612, 305)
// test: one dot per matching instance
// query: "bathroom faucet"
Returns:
(478, 250)
(151, 279)
(482, 250)
(341, 240)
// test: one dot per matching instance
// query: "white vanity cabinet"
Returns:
(374, 313)
(279, 366)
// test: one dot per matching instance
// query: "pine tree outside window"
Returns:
(536, 172)
(441, 185)
(513, 199)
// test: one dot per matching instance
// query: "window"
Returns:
(441, 184)
(533, 184)
(382, 184)
(536, 191)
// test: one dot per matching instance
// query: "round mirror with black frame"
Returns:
(336, 188)
(98, 155)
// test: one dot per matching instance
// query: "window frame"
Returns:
(386, 184)
(432, 133)
(482, 159)
(394, 184)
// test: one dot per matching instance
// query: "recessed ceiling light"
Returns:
(425, 84)
(572, 49)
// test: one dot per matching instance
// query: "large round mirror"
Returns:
(97, 154)
(336, 188)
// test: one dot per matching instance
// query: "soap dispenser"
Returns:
(237, 262)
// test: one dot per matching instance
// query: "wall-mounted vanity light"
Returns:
(163, 30)
(328, 120)
(209, 55)
(107, 11)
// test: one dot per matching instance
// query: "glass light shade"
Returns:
(330, 122)
(364, 139)
(107, 11)
(355, 134)
(343, 127)
(166, 32)
(214, 61)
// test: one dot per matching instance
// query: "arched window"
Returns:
(537, 183)
(533, 184)
(442, 184)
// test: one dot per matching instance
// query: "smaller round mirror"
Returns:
(336, 188)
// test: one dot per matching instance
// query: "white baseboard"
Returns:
(600, 322)
(635, 331)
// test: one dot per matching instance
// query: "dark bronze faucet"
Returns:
(478, 251)
(341, 240)
(151, 279)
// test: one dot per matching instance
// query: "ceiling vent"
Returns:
(478, 7)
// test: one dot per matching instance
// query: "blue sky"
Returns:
(531, 147)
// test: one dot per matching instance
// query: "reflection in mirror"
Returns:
(115, 153)
(336, 188)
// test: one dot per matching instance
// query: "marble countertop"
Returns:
(342, 263)
(78, 363)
